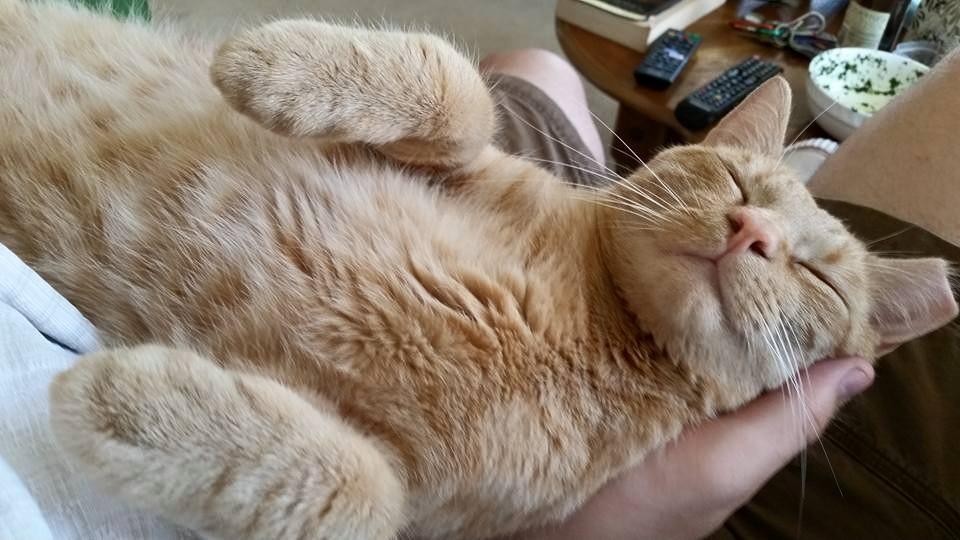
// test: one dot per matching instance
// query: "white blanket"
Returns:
(41, 496)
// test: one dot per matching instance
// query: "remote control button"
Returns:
(675, 55)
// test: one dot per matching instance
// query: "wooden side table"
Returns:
(645, 119)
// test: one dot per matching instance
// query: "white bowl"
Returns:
(860, 82)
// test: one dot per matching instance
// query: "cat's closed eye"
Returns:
(820, 276)
(738, 185)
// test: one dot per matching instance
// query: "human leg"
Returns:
(903, 162)
(538, 87)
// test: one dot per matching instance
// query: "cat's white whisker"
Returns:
(803, 414)
(572, 167)
(794, 378)
(790, 371)
(633, 204)
(896, 253)
(627, 210)
(631, 227)
(790, 395)
(606, 193)
(768, 336)
(624, 223)
(888, 267)
(622, 182)
(683, 204)
(584, 155)
(796, 341)
(890, 236)
(641, 161)
(634, 187)
(800, 413)
(617, 198)
(807, 415)
(804, 130)
(649, 196)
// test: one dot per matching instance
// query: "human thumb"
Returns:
(826, 386)
(777, 426)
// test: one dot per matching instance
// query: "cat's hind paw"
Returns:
(227, 454)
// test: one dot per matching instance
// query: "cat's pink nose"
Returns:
(752, 231)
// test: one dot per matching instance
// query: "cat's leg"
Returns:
(413, 96)
(230, 455)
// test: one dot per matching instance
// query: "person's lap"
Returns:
(886, 468)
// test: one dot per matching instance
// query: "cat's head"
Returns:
(728, 261)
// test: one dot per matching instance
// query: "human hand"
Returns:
(687, 489)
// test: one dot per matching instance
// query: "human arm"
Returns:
(688, 488)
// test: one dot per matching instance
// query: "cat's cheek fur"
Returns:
(685, 316)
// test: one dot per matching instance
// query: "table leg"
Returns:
(641, 136)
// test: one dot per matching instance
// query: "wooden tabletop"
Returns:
(609, 65)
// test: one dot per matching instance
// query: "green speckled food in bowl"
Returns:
(860, 81)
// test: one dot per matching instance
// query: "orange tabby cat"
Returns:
(333, 310)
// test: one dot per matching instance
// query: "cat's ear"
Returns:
(759, 124)
(912, 297)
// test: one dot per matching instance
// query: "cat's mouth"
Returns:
(709, 269)
(705, 267)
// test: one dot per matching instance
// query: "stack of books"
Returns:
(633, 23)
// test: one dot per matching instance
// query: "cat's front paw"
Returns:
(414, 96)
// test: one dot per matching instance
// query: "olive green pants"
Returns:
(889, 465)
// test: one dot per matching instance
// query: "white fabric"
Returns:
(41, 496)
(19, 515)
(806, 156)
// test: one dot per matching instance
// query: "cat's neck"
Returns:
(571, 298)
(638, 379)
(621, 336)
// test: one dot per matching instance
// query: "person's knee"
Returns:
(556, 78)
(539, 66)
(531, 56)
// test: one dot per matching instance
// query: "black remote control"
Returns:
(711, 101)
(666, 58)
